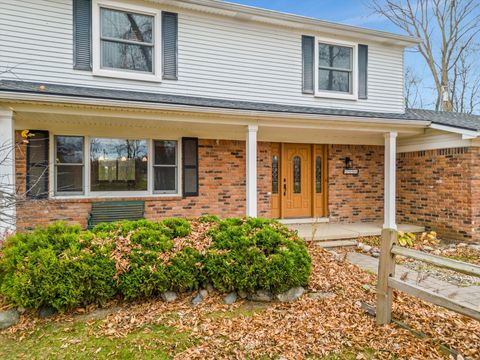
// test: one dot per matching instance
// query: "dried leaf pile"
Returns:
(307, 327)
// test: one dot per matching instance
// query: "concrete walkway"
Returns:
(469, 296)
(329, 231)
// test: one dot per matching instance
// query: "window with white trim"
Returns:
(115, 166)
(118, 165)
(69, 165)
(165, 166)
(126, 41)
(335, 68)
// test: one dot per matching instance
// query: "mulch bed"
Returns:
(307, 327)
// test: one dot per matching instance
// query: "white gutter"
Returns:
(466, 134)
(16, 96)
(251, 13)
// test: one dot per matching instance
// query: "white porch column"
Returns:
(7, 171)
(252, 170)
(390, 180)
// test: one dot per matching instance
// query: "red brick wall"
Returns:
(221, 180)
(440, 189)
(355, 198)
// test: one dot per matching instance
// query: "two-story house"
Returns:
(197, 107)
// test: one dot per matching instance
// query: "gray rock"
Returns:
(428, 248)
(462, 245)
(197, 300)
(376, 254)
(8, 318)
(242, 294)
(202, 294)
(210, 288)
(100, 313)
(46, 311)
(321, 295)
(230, 298)
(169, 296)
(474, 247)
(366, 248)
(375, 250)
(291, 295)
(336, 256)
(436, 252)
(261, 295)
(21, 310)
(452, 246)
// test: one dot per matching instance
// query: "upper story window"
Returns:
(335, 68)
(331, 68)
(126, 41)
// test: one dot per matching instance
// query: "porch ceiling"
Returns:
(103, 121)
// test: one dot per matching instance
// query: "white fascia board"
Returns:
(251, 13)
(252, 114)
(466, 134)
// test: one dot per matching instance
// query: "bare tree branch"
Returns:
(448, 31)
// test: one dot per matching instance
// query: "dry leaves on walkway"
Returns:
(307, 327)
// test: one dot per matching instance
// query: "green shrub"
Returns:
(146, 277)
(123, 228)
(152, 240)
(184, 270)
(64, 267)
(180, 227)
(48, 267)
(256, 254)
(209, 219)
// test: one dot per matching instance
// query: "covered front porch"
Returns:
(249, 163)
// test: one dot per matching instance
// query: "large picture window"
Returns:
(121, 166)
(69, 165)
(127, 40)
(165, 166)
(118, 165)
(335, 68)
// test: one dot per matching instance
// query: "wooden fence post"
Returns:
(386, 269)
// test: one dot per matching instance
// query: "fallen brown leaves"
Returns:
(197, 239)
(307, 327)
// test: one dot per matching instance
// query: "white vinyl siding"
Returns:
(219, 57)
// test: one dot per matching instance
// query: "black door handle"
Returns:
(284, 187)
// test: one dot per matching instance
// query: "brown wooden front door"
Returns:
(298, 180)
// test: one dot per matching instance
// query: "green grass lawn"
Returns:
(79, 341)
(82, 340)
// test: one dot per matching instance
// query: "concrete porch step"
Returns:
(329, 231)
(304, 221)
(336, 243)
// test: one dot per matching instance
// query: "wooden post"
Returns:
(386, 269)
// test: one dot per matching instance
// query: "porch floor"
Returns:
(330, 231)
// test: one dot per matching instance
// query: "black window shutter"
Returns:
(308, 48)
(170, 45)
(37, 165)
(82, 34)
(190, 166)
(363, 71)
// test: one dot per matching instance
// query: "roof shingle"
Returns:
(457, 120)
